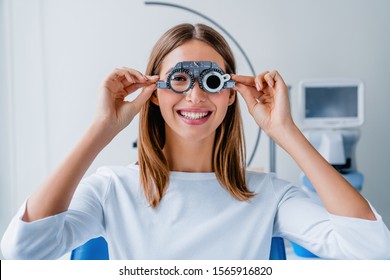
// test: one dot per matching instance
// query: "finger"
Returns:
(133, 87)
(153, 78)
(128, 76)
(118, 79)
(250, 99)
(112, 76)
(138, 76)
(246, 80)
(144, 96)
(129, 79)
(270, 78)
(120, 94)
(148, 80)
(273, 78)
(260, 81)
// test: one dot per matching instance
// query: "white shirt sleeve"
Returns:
(54, 236)
(301, 220)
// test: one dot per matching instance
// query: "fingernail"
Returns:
(257, 86)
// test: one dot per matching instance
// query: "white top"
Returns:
(196, 219)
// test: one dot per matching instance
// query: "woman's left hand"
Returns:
(266, 96)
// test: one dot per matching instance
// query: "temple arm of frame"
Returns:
(162, 84)
(230, 84)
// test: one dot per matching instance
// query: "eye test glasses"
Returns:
(210, 77)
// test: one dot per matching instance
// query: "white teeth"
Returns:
(194, 115)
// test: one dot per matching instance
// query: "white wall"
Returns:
(55, 53)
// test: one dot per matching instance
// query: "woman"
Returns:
(189, 195)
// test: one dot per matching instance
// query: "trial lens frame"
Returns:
(203, 70)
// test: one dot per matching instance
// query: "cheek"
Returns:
(221, 100)
(166, 100)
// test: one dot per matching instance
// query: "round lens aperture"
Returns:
(180, 82)
(212, 81)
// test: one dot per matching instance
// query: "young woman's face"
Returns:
(195, 115)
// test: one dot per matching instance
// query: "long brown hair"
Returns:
(228, 160)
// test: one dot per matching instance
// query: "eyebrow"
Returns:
(170, 69)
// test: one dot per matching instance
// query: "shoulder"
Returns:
(106, 174)
(260, 182)
(107, 178)
(261, 179)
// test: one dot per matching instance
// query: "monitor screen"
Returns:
(331, 103)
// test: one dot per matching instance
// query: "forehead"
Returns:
(193, 50)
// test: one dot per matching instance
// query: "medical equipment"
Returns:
(210, 77)
(331, 103)
(330, 113)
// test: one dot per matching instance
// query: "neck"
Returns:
(189, 156)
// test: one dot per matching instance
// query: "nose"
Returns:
(196, 95)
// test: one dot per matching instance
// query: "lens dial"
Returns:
(212, 80)
(180, 80)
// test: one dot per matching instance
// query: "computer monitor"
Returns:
(331, 103)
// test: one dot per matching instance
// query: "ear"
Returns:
(232, 97)
(154, 98)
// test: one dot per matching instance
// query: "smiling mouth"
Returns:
(194, 115)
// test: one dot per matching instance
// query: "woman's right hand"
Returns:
(114, 113)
